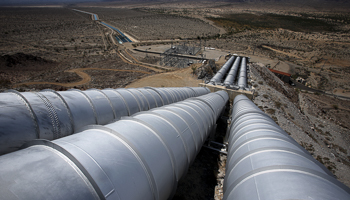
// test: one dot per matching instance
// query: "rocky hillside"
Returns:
(316, 122)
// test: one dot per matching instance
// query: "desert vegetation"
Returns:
(45, 44)
(310, 42)
(155, 26)
(57, 48)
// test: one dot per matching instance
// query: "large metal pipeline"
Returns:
(231, 77)
(242, 78)
(50, 115)
(264, 162)
(222, 72)
(138, 157)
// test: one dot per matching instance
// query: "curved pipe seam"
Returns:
(57, 114)
(91, 150)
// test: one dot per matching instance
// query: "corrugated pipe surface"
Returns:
(231, 77)
(222, 72)
(139, 157)
(264, 162)
(48, 114)
(242, 78)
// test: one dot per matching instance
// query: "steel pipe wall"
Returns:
(50, 115)
(242, 78)
(138, 157)
(264, 162)
(231, 77)
(222, 72)
(239, 64)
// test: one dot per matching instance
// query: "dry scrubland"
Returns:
(51, 33)
(42, 44)
(307, 41)
(154, 26)
(314, 122)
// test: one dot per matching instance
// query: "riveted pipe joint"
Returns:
(49, 115)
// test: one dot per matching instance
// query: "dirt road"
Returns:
(282, 52)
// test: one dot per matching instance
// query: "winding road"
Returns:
(86, 78)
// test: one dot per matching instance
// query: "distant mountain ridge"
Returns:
(302, 2)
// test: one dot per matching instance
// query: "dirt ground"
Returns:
(317, 122)
(57, 48)
(178, 78)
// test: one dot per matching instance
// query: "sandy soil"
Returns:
(86, 78)
(317, 122)
(179, 78)
(74, 43)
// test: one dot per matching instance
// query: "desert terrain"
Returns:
(58, 48)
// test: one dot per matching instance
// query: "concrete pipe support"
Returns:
(139, 157)
(48, 114)
(264, 162)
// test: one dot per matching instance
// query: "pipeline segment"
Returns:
(49, 115)
(264, 162)
(231, 77)
(138, 157)
(222, 72)
(242, 78)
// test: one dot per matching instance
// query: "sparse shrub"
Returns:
(341, 149)
(265, 96)
(278, 104)
(312, 137)
(328, 133)
(5, 82)
(291, 116)
(345, 161)
(261, 83)
(319, 159)
(309, 147)
(335, 106)
(255, 85)
(319, 131)
(193, 70)
(275, 119)
(327, 163)
(270, 111)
